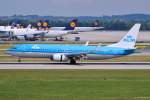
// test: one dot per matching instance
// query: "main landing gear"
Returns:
(73, 61)
(59, 39)
(19, 60)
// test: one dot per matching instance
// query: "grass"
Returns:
(74, 84)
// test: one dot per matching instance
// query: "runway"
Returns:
(105, 65)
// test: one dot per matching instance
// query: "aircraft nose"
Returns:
(8, 52)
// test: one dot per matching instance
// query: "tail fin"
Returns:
(71, 25)
(87, 43)
(29, 26)
(13, 25)
(38, 25)
(96, 23)
(45, 25)
(41, 25)
(129, 40)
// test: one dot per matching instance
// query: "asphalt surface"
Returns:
(97, 36)
(107, 36)
(123, 65)
(141, 52)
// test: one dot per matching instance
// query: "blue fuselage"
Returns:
(47, 50)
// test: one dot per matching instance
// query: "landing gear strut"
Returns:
(59, 38)
(73, 61)
(19, 60)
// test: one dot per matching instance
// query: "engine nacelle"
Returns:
(29, 36)
(59, 57)
(20, 37)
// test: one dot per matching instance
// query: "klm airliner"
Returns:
(72, 53)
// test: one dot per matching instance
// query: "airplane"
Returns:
(21, 33)
(72, 53)
(69, 29)
(79, 29)
(4, 33)
(32, 34)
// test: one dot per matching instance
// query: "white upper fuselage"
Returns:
(18, 31)
(78, 29)
(55, 33)
(22, 32)
(4, 31)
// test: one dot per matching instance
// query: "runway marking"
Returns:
(89, 63)
(108, 66)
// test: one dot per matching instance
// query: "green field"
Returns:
(74, 84)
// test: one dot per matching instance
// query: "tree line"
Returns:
(109, 23)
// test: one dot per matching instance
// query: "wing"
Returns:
(76, 55)
(81, 54)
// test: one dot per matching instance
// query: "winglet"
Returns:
(87, 43)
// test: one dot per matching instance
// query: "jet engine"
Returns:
(29, 36)
(59, 57)
(19, 37)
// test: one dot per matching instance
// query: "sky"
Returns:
(73, 7)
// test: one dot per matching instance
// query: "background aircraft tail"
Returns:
(129, 40)
(41, 25)
(45, 25)
(96, 23)
(29, 26)
(72, 24)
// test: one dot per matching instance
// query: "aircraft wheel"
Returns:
(73, 61)
(61, 38)
(56, 39)
(19, 60)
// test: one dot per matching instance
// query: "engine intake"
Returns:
(29, 36)
(59, 57)
(19, 37)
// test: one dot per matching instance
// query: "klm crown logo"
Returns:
(35, 47)
(129, 38)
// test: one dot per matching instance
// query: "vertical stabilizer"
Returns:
(129, 40)
(72, 24)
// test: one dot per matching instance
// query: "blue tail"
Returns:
(72, 24)
(41, 25)
(38, 25)
(45, 25)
